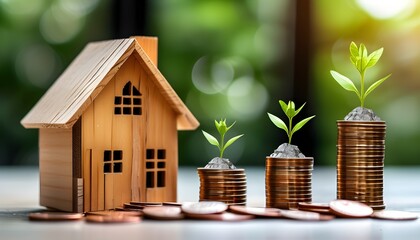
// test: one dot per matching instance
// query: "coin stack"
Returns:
(223, 185)
(360, 162)
(288, 181)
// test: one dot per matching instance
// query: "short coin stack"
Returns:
(288, 181)
(360, 162)
(223, 185)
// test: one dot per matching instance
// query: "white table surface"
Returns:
(19, 194)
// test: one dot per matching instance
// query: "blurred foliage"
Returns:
(225, 59)
(38, 39)
(393, 25)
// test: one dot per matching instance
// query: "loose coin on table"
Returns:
(112, 219)
(314, 207)
(350, 209)
(163, 213)
(305, 215)
(224, 216)
(116, 213)
(256, 211)
(55, 216)
(206, 207)
(394, 215)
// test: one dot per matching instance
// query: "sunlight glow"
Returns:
(385, 9)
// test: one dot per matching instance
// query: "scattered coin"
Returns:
(314, 207)
(351, 209)
(163, 213)
(256, 211)
(172, 204)
(394, 215)
(55, 216)
(206, 207)
(305, 215)
(116, 213)
(112, 219)
(224, 216)
(132, 206)
(145, 203)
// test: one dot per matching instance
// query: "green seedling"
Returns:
(222, 128)
(289, 110)
(360, 58)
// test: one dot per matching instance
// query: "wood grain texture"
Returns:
(55, 167)
(74, 91)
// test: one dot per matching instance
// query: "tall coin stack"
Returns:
(288, 181)
(223, 185)
(360, 161)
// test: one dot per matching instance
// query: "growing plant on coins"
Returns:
(360, 58)
(289, 110)
(222, 128)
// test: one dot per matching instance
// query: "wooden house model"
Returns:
(108, 129)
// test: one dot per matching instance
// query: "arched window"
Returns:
(130, 101)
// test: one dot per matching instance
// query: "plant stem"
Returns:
(289, 134)
(362, 89)
(222, 145)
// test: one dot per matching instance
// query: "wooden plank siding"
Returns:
(56, 169)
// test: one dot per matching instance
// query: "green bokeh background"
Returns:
(225, 59)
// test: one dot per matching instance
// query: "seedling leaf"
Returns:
(278, 122)
(376, 84)
(212, 140)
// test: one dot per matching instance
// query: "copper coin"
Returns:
(289, 198)
(289, 159)
(206, 207)
(255, 211)
(221, 196)
(225, 216)
(377, 207)
(351, 209)
(287, 184)
(303, 205)
(146, 203)
(305, 215)
(122, 209)
(55, 216)
(289, 194)
(209, 177)
(291, 165)
(222, 200)
(163, 213)
(132, 206)
(112, 219)
(116, 213)
(177, 204)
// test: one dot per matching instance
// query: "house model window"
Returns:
(113, 161)
(155, 168)
(130, 101)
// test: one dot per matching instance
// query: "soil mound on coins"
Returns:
(220, 163)
(361, 114)
(287, 151)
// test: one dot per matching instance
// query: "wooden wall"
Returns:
(55, 167)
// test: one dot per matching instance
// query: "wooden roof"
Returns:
(89, 73)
